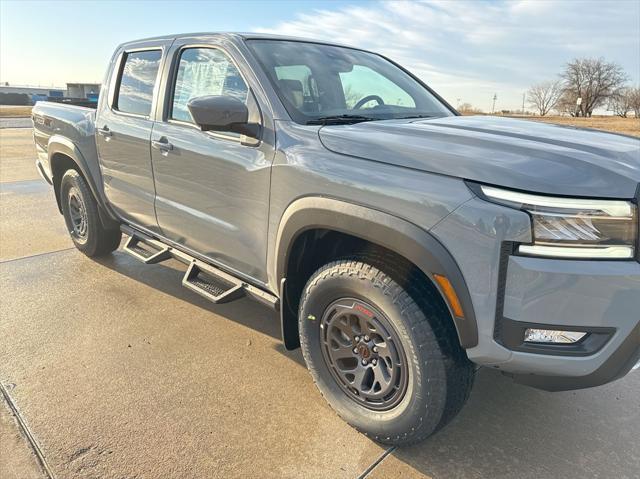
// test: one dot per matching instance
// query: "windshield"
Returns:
(322, 83)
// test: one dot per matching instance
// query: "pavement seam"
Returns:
(36, 255)
(375, 463)
(35, 447)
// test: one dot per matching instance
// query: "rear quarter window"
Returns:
(137, 80)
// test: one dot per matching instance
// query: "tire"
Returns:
(80, 212)
(400, 403)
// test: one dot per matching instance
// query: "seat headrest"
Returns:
(290, 85)
(292, 90)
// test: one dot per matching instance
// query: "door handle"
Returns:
(105, 131)
(162, 144)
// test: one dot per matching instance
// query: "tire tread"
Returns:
(101, 241)
(427, 320)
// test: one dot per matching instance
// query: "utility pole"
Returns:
(493, 108)
(523, 97)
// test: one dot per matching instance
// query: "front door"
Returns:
(123, 128)
(212, 189)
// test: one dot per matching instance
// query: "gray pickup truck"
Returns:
(403, 245)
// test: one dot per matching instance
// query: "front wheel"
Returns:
(81, 216)
(385, 363)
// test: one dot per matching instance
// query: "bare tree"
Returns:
(594, 81)
(620, 102)
(468, 108)
(633, 95)
(545, 96)
(567, 104)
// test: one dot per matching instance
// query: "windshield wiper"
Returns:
(415, 116)
(339, 119)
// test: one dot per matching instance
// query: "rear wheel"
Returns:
(81, 216)
(382, 360)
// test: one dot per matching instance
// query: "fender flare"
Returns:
(400, 236)
(61, 145)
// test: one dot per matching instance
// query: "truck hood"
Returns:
(518, 154)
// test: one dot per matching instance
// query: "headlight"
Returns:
(573, 227)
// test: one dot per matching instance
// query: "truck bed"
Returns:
(71, 125)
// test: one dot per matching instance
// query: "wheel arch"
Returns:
(415, 245)
(64, 155)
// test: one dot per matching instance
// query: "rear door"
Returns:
(123, 130)
(212, 189)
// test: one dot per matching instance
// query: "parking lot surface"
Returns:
(116, 371)
(15, 122)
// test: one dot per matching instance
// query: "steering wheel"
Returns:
(367, 99)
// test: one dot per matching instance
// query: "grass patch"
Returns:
(627, 126)
(10, 111)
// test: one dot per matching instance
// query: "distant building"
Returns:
(32, 90)
(27, 95)
(88, 91)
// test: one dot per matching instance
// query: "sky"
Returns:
(467, 50)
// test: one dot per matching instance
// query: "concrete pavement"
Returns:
(118, 371)
(17, 458)
(15, 122)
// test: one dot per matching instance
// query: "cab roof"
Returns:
(234, 36)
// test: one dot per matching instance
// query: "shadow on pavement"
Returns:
(167, 278)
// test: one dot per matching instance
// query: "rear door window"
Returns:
(137, 80)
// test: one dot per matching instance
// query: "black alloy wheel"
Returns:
(364, 354)
(77, 215)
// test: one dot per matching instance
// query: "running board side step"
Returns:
(147, 250)
(201, 277)
(212, 283)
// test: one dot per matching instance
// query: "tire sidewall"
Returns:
(73, 180)
(418, 404)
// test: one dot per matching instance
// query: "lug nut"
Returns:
(364, 362)
(374, 361)
(356, 339)
(375, 349)
(355, 350)
(366, 338)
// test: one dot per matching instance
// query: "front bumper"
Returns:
(43, 174)
(623, 359)
(602, 295)
(42, 162)
(599, 297)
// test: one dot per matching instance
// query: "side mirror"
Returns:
(222, 113)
